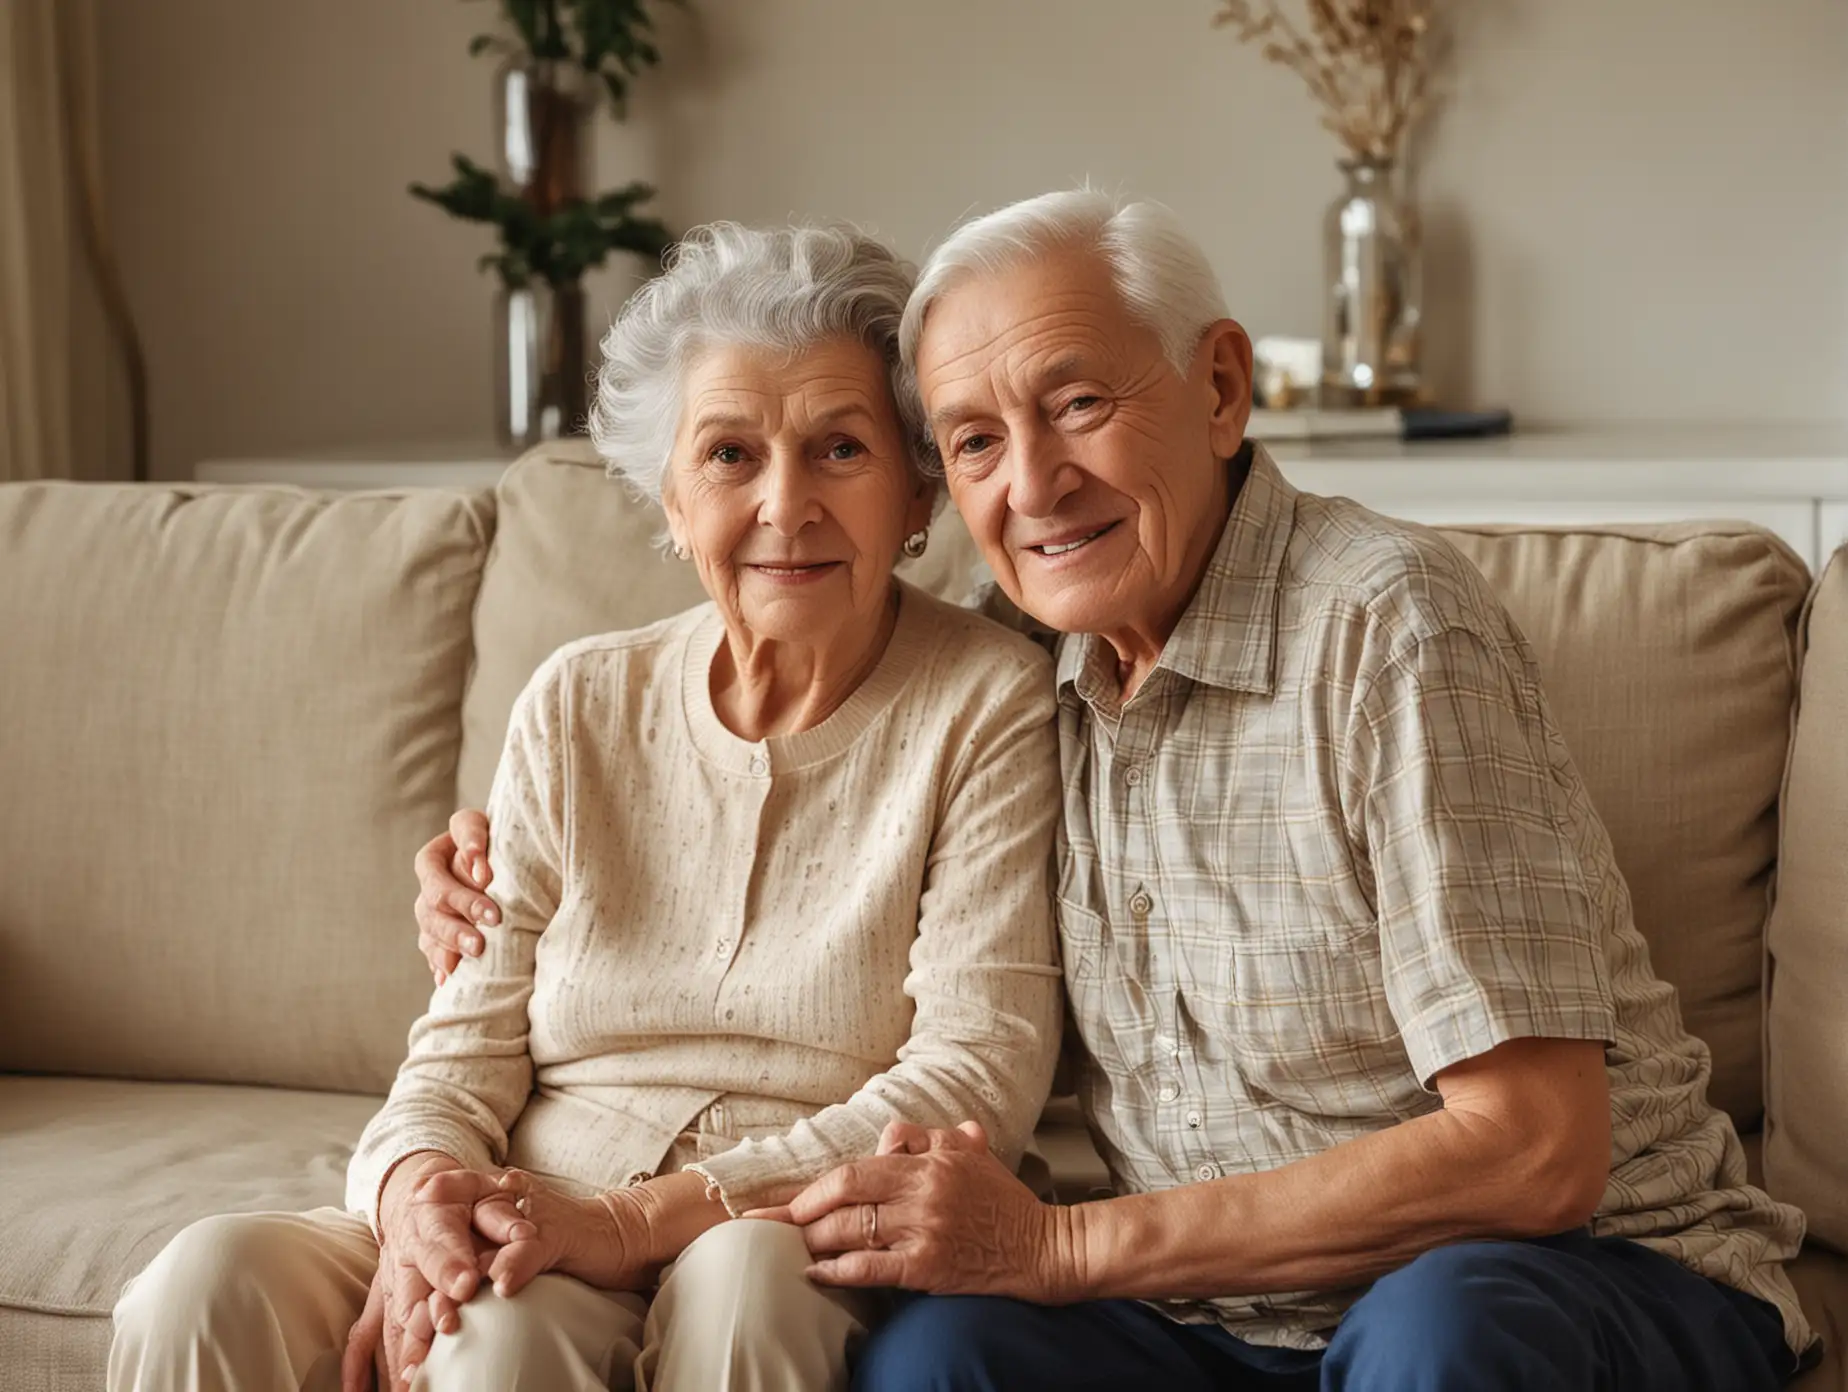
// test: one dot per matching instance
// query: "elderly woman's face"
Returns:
(790, 486)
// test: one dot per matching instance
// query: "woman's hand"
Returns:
(452, 879)
(606, 1241)
(365, 1347)
(430, 1259)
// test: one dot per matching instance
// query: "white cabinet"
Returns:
(1834, 530)
(1791, 480)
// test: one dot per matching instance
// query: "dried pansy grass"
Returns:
(1366, 62)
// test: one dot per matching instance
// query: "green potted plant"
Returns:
(560, 60)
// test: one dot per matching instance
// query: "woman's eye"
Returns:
(1082, 403)
(726, 454)
(845, 449)
(973, 444)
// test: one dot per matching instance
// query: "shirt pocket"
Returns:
(1092, 986)
(1311, 1027)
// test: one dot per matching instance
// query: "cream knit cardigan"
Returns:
(820, 932)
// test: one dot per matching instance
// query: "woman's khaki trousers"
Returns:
(254, 1302)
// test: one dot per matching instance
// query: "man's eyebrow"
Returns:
(1058, 371)
(944, 417)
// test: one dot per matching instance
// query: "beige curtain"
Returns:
(50, 406)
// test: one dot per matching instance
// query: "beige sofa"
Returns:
(229, 716)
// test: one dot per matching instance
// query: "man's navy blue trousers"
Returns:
(1570, 1313)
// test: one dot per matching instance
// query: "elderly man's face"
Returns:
(1089, 471)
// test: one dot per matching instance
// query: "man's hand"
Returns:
(452, 881)
(934, 1212)
(603, 1241)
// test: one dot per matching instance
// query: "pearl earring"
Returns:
(916, 542)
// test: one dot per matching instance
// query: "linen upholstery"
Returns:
(52, 1353)
(1667, 655)
(231, 718)
(575, 555)
(1806, 1122)
(101, 1173)
(1821, 1279)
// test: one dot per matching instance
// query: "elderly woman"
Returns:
(771, 876)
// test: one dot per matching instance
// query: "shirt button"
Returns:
(722, 947)
(759, 765)
(1193, 1120)
(1168, 1092)
(1140, 903)
(1134, 776)
(1206, 1172)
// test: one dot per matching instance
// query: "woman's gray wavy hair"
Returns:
(786, 288)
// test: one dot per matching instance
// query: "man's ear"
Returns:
(1223, 362)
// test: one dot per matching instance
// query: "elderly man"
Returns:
(1371, 1046)
(1389, 1094)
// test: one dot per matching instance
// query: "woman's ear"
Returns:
(922, 504)
(1225, 356)
(676, 523)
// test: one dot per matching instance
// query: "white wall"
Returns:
(1636, 209)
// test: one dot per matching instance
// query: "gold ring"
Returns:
(872, 1226)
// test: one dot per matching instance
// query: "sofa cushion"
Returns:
(231, 717)
(100, 1174)
(1669, 660)
(1806, 1111)
(52, 1353)
(575, 554)
(1821, 1279)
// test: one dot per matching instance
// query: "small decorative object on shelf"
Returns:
(1367, 63)
(562, 57)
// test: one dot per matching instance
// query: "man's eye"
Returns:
(1083, 403)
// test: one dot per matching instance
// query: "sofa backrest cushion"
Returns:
(1668, 654)
(230, 718)
(1806, 1096)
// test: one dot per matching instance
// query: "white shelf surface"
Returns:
(1792, 479)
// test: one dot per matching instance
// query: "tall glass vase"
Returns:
(542, 115)
(1371, 340)
(542, 372)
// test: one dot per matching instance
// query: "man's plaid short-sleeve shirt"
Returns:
(1334, 845)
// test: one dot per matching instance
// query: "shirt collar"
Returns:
(1227, 635)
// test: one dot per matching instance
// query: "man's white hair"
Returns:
(1162, 274)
